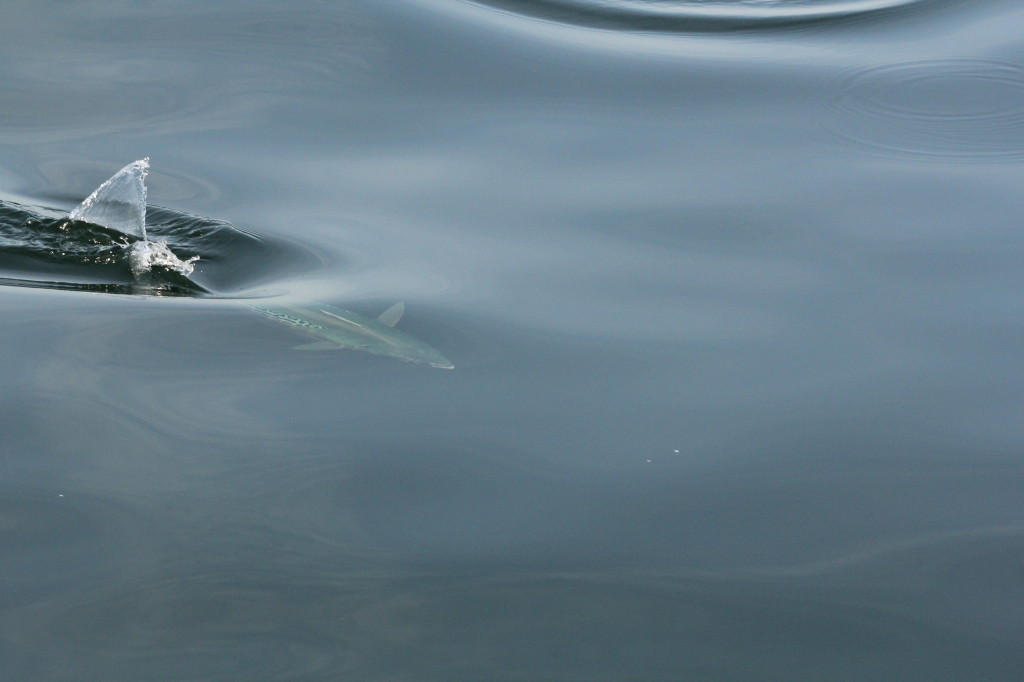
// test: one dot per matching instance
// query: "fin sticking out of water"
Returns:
(391, 316)
(119, 203)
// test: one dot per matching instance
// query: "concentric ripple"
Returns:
(695, 15)
(943, 109)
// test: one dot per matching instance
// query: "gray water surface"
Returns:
(736, 309)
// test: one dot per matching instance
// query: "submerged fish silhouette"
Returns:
(119, 204)
(337, 329)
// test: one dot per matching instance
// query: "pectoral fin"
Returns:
(392, 315)
(317, 345)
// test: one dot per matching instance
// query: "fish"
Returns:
(335, 329)
(119, 204)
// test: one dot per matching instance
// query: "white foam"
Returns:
(143, 256)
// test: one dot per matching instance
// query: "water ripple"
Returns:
(695, 15)
(944, 109)
(194, 67)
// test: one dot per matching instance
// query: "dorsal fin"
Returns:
(119, 203)
(392, 315)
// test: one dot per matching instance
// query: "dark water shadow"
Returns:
(42, 248)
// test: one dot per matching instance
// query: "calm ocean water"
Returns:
(734, 293)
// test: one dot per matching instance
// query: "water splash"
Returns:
(46, 248)
(144, 255)
(119, 204)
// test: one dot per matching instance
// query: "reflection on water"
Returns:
(239, 619)
(157, 85)
(737, 317)
(699, 15)
(946, 110)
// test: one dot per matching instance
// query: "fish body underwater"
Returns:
(119, 207)
(336, 329)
